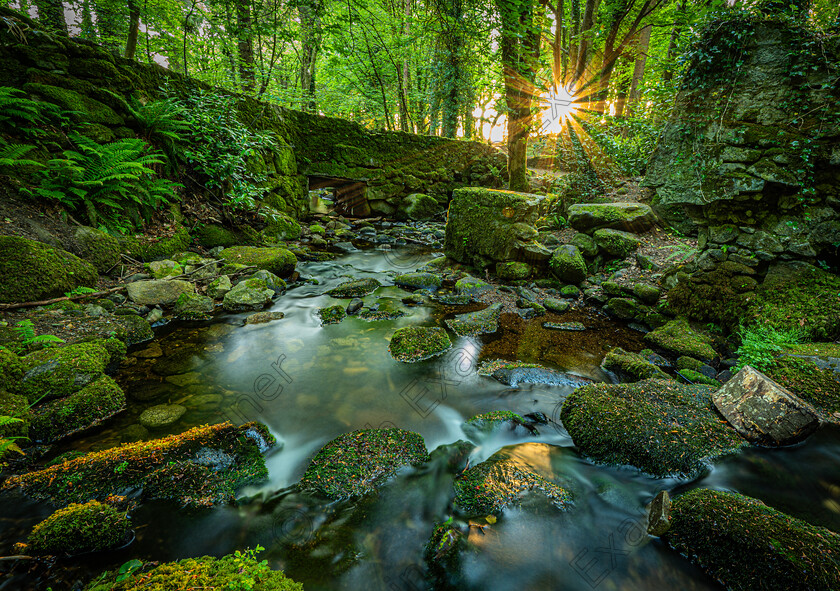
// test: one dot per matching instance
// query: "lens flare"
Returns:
(558, 106)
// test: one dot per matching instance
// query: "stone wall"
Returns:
(750, 158)
(81, 76)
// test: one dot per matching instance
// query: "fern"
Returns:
(26, 330)
(12, 157)
(163, 123)
(25, 116)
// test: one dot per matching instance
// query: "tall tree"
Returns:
(245, 45)
(311, 37)
(133, 28)
(520, 30)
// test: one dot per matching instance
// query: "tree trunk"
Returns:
(51, 15)
(639, 67)
(584, 48)
(311, 36)
(245, 46)
(668, 74)
(133, 28)
(87, 29)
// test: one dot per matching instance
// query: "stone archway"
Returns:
(350, 194)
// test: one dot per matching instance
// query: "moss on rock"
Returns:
(678, 337)
(357, 463)
(234, 453)
(661, 427)
(631, 367)
(98, 248)
(356, 288)
(816, 385)
(332, 314)
(33, 271)
(746, 545)
(212, 235)
(59, 372)
(419, 280)
(279, 261)
(146, 249)
(191, 306)
(567, 264)
(228, 572)
(416, 343)
(616, 242)
(80, 528)
(88, 407)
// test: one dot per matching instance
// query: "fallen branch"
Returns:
(62, 299)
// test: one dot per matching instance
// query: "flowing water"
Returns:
(310, 383)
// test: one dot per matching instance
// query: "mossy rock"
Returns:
(161, 415)
(80, 528)
(90, 406)
(59, 372)
(631, 367)
(679, 338)
(279, 261)
(747, 545)
(98, 248)
(567, 264)
(249, 295)
(443, 556)
(616, 242)
(695, 377)
(11, 370)
(356, 288)
(83, 107)
(586, 217)
(382, 309)
(281, 226)
(513, 271)
(192, 306)
(469, 285)
(357, 463)
(416, 343)
(418, 206)
(806, 300)
(234, 453)
(802, 377)
(661, 427)
(272, 281)
(158, 292)
(137, 329)
(500, 482)
(475, 323)
(13, 405)
(213, 235)
(147, 249)
(165, 269)
(332, 314)
(33, 271)
(720, 296)
(494, 422)
(207, 572)
(419, 280)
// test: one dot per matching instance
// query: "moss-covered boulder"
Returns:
(59, 372)
(217, 288)
(419, 280)
(207, 465)
(135, 329)
(747, 545)
(469, 285)
(228, 572)
(11, 369)
(802, 297)
(616, 242)
(192, 306)
(475, 323)
(418, 206)
(272, 281)
(816, 385)
(631, 367)
(152, 248)
(213, 235)
(443, 556)
(631, 217)
(165, 269)
(357, 463)
(281, 226)
(90, 406)
(680, 338)
(499, 482)
(17, 407)
(158, 292)
(513, 271)
(97, 247)
(33, 271)
(661, 427)
(357, 288)
(497, 421)
(248, 296)
(567, 264)
(484, 226)
(279, 261)
(332, 314)
(161, 415)
(416, 343)
(79, 528)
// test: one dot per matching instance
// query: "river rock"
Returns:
(161, 292)
(357, 288)
(416, 343)
(418, 280)
(263, 317)
(164, 269)
(764, 412)
(567, 264)
(631, 217)
(193, 306)
(219, 287)
(161, 415)
(279, 261)
(248, 295)
(659, 515)
(616, 242)
(475, 323)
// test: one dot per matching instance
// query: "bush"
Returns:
(761, 344)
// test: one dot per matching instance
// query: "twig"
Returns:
(62, 299)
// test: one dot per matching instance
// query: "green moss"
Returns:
(332, 314)
(513, 271)
(80, 528)
(357, 463)
(234, 453)
(488, 422)
(660, 427)
(695, 377)
(59, 372)
(823, 350)
(228, 572)
(803, 378)
(84, 108)
(148, 249)
(616, 242)
(419, 280)
(357, 288)
(810, 300)
(11, 369)
(478, 322)
(33, 271)
(678, 337)
(720, 296)
(279, 261)
(498, 482)
(631, 367)
(98, 248)
(282, 227)
(747, 545)
(137, 329)
(90, 406)
(212, 235)
(416, 343)
(12, 405)
(442, 554)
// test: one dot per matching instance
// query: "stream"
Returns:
(310, 383)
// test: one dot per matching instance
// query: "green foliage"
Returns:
(761, 344)
(8, 443)
(113, 182)
(26, 329)
(163, 123)
(12, 157)
(628, 141)
(218, 146)
(24, 116)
